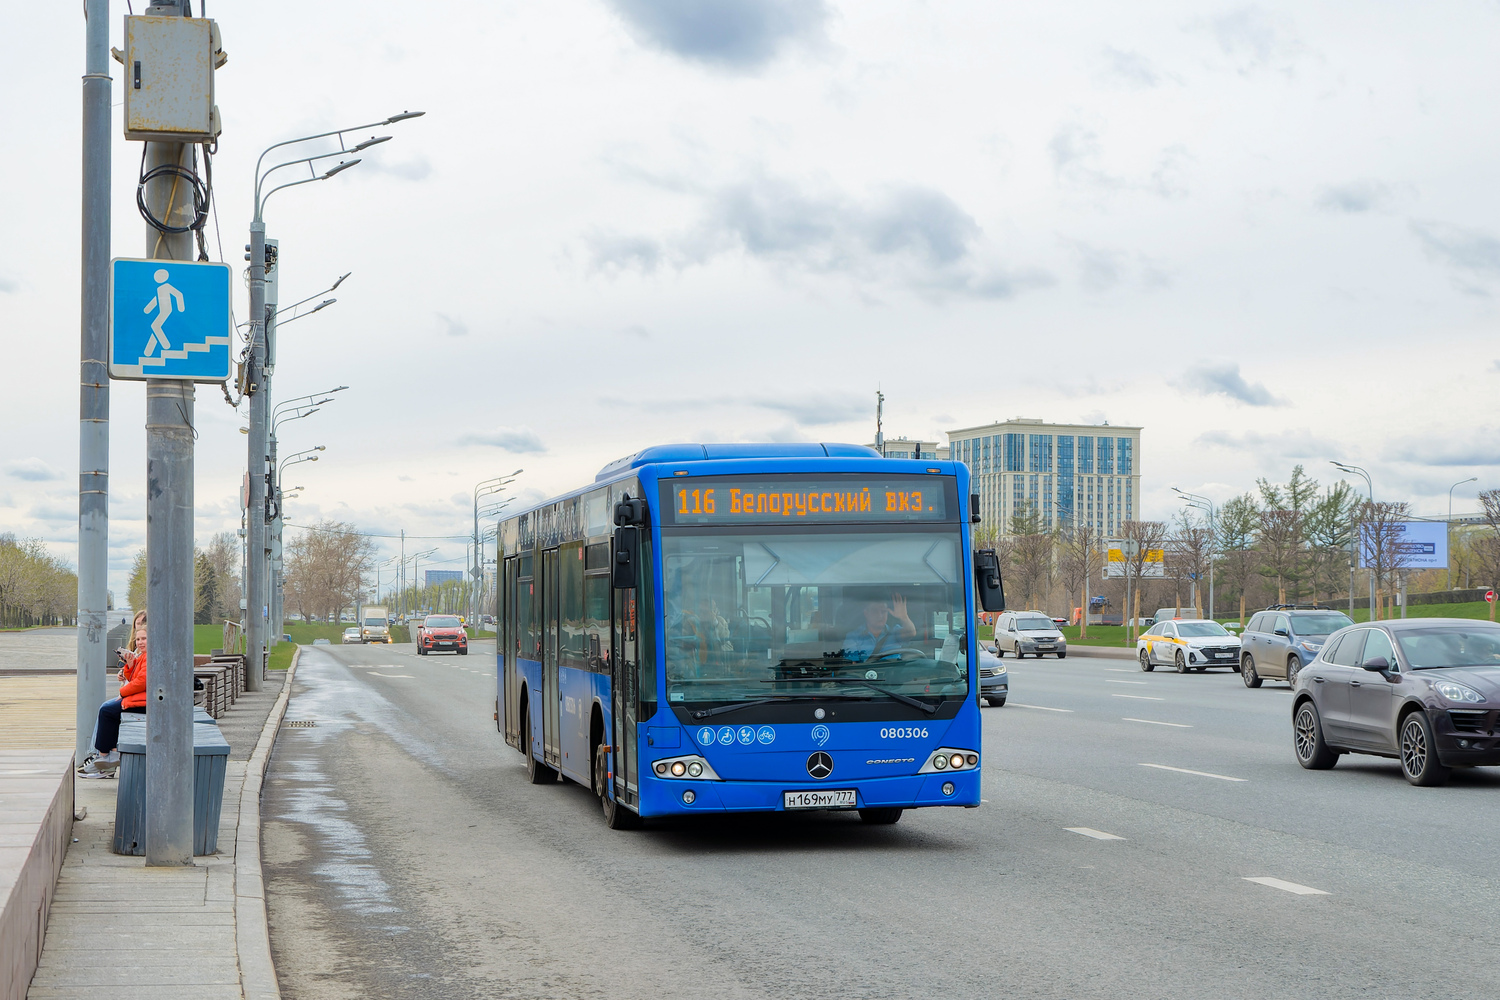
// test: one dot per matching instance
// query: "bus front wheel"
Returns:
(616, 816)
(880, 817)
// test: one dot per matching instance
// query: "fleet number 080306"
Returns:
(904, 733)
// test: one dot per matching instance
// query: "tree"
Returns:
(1239, 521)
(137, 592)
(205, 591)
(1149, 537)
(36, 587)
(1382, 537)
(223, 554)
(1188, 552)
(1487, 545)
(326, 566)
(1078, 559)
(1283, 530)
(1329, 530)
(1031, 554)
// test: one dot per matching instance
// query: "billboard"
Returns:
(1154, 565)
(1422, 544)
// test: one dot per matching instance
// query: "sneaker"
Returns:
(109, 761)
(93, 756)
(95, 769)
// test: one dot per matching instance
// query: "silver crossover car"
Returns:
(1423, 691)
(1028, 633)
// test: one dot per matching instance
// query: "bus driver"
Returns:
(879, 633)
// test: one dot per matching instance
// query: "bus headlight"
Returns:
(950, 759)
(686, 767)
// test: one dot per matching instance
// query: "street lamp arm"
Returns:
(321, 305)
(306, 180)
(295, 400)
(403, 116)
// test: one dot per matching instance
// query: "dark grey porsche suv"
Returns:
(1425, 691)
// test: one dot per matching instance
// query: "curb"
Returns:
(252, 932)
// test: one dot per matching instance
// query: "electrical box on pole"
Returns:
(169, 78)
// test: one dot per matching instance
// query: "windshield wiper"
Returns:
(904, 699)
(705, 713)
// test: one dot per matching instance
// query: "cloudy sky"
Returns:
(1266, 233)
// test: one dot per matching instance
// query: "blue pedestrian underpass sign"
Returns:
(169, 319)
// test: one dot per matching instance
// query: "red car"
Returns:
(442, 632)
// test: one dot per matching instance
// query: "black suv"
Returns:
(1284, 638)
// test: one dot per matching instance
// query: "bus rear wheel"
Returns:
(536, 772)
(880, 817)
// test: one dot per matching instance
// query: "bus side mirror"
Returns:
(627, 557)
(987, 580)
(630, 512)
(973, 508)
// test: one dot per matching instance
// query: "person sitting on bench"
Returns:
(104, 760)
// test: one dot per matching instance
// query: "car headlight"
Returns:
(1311, 647)
(1456, 692)
(1001, 670)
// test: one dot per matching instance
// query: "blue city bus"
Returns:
(748, 628)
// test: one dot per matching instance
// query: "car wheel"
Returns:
(536, 772)
(1293, 665)
(1419, 760)
(1181, 663)
(1062, 656)
(1247, 672)
(996, 702)
(1313, 751)
(880, 817)
(464, 651)
(1146, 665)
(999, 652)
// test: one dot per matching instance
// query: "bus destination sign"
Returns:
(845, 499)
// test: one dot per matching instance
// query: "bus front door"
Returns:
(551, 695)
(623, 675)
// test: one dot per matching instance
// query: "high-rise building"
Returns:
(1068, 473)
(436, 576)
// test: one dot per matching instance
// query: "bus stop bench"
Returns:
(217, 681)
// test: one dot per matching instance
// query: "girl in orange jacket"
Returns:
(105, 758)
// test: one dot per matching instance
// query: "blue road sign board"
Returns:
(169, 319)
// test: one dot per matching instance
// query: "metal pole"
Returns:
(255, 511)
(273, 485)
(93, 400)
(169, 556)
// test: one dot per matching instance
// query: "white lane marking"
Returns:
(1089, 831)
(1118, 670)
(1137, 697)
(1041, 708)
(1201, 774)
(374, 673)
(1116, 680)
(1276, 883)
(1153, 722)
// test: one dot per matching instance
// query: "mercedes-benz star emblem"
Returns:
(820, 765)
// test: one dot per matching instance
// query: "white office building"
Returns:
(1068, 473)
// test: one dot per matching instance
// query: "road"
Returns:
(407, 857)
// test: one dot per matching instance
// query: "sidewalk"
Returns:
(122, 930)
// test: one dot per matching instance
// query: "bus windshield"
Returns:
(872, 615)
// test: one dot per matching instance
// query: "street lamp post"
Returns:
(1203, 503)
(1471, 479)
(292, 409)
(257, 378)
(484, 488)
(1356, 470)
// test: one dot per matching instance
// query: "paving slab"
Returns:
(119, 929)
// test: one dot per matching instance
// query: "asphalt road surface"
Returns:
(1126, 816)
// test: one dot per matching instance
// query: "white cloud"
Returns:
(32, 470)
